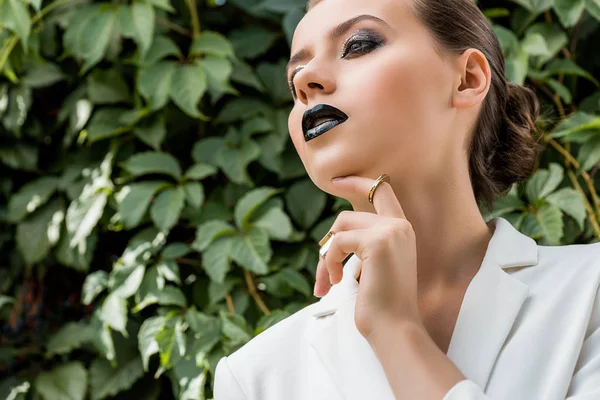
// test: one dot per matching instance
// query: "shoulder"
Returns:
(271, 354)
(568, 274)
(580, 258)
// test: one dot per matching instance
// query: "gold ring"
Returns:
(325, 243)
(382, 178)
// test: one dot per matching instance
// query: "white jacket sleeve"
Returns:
(226, 386)
(585, 383)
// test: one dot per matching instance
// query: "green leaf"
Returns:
(150, 293)
(578, 122)
(205, 150)
(136, 199)
(15, 17)
(160, 48)
(562, 90)
(153, 162)
(212, 43)
(571, 202)
(106, 380)
(107, 87)
(42, 75)
(69, 337)
(567, 67)
(194, 193)
(550, 219)
(67, 381)
(143, 21)
(96, 35)
(84, 213)
(30, 197)
(162, 4)
(167, 207)
(544, 182)
(217, 72)
(78, 257)
(169, 270)
(507, 204)
(268, 320)
(235, 328)
(593, 7)
(234, 160)
(175, 250)
(537, 6)
(188, 84)
(94, 284)
(154, 83)
(276, 222)
(166, 341)
(209, 232)
(114, 313)
(19, 156)
(216, 259)
(270, 75)
(306, 202)
(244, 74)
(296, 280)
(105, 123)
(517, 67)
(147, 343)
(554, 37)
(589, 154)
(152, 132)
(125, 280)
(252, 250)
(281, 6)
(534, 44)
(569, 11)
(44, 226)
(250, 202)
(200, 171)
(252, 42)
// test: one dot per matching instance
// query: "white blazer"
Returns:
(528, 328)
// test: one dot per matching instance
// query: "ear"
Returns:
(473, 80)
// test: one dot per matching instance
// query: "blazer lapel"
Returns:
(488, 312)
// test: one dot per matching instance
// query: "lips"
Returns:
(320, 119)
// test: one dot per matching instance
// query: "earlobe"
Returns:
(474, 81)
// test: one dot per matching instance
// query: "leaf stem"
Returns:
(191, 4)
(254, 293)
(588, 206)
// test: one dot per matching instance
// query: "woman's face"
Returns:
(384, 73)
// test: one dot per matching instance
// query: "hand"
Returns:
(386, 245)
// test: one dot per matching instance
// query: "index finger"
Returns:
(385, 201)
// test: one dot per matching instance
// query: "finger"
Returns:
(344, 243)
(351, 220)
(322, 284)
(385, 201)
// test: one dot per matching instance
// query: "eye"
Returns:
(361, 44)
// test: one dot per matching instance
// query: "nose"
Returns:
(312, 81)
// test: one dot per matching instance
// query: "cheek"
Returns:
(295, 130)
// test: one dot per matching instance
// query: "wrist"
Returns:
(400, 331)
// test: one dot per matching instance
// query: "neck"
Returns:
(452, 236)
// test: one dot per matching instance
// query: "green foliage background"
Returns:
(154, 215)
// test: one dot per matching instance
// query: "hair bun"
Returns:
(519, 138)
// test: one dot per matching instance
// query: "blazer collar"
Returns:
(489, 309)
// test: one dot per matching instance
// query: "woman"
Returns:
(416, 89)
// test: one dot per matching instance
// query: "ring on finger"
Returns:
(325, 243)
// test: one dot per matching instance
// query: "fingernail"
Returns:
(315, 288)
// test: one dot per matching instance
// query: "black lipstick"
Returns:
(320, 119)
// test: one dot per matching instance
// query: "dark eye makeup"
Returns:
(361, 42)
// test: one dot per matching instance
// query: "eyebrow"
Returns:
(335, 33)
